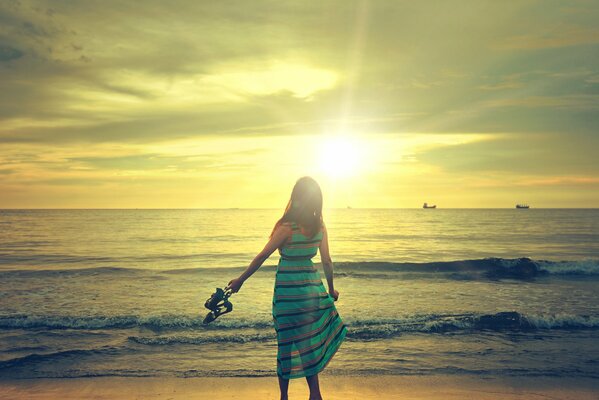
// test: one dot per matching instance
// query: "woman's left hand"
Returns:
(235, 285)
(334, 294)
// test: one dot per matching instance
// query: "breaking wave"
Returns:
(358, 328)
(484, 268)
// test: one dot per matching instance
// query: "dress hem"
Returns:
(320, 369)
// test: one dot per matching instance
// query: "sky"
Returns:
(201, 104)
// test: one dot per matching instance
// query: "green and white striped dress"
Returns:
(309, 330)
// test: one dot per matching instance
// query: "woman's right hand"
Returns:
(235, 285)
(334, 294)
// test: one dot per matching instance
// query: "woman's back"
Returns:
(299, 246)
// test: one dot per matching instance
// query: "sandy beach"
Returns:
(334, 388)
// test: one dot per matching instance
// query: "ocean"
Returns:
(489, 292)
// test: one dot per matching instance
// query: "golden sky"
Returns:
(226, 103)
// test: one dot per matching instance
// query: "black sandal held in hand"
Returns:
(218, 304)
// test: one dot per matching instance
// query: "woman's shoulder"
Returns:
(286, 229)
(288, 224)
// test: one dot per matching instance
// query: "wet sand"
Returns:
(333, 388)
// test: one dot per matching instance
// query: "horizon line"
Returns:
(276, 208)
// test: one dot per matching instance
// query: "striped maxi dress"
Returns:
(309, 330)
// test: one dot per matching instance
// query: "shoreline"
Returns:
(334, 387)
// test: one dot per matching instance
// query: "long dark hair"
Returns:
(304, 206)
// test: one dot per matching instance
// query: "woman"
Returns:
(309, 330)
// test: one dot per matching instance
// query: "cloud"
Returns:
(511, 81)
(577, 101)
(592, 79)
(558, 181)
(538, 155)
(80, 68)
(248, 118)
(8, 53)
(162, 162)
(300, 80)
(557, 36)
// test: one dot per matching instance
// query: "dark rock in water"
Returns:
(521, 268)
(509, 320)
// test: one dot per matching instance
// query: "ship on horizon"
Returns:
(522, 206)
(427, 206)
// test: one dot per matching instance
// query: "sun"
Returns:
(340, 156)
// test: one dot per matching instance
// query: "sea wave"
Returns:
(507, 321)
(33, 260)
(359, 328)
(181, 339)
(40, 357)
(483, 268)
(158, 322)
(585, 267)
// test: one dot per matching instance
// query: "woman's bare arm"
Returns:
(278, 238)
(327, 262)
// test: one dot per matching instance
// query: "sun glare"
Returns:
(340, 157)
